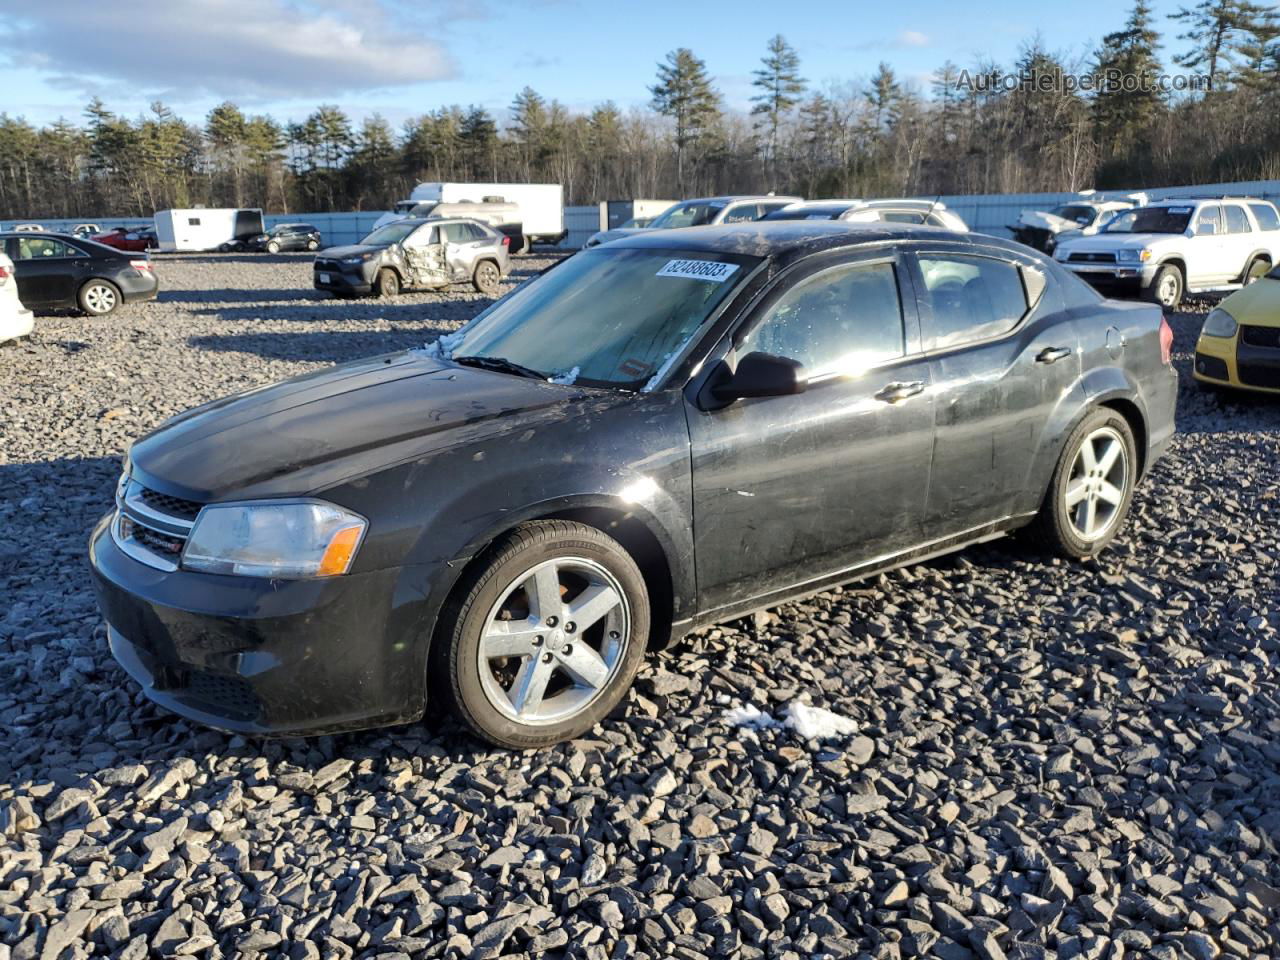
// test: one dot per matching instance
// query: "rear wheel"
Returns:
(547, 638)
(1167, 288)
(525, 245)
(487, 278)
(1091, 489)
(387, 283)
(98, 298)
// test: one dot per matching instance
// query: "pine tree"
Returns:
(1128, 99)
(780, 86)
(1217, 29)
(885, 96)
(685, 94)
(479, 136)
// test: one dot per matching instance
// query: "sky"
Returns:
(401, 58)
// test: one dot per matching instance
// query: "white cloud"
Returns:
(224, 48)
(913, 38)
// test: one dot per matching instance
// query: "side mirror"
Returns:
(758, 375)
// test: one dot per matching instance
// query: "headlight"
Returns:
(360, 259)
(286, 539)
(1133, 256)
(1219, 323)
(1060, 252)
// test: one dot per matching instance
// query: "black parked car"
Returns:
(59, 271)
(287, 236)
(516, 513)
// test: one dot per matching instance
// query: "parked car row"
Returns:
(55, 271)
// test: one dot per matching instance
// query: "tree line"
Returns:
(1119, 117)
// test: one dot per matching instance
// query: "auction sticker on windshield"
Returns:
(711, 270)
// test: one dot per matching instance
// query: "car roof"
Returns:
(792, 239)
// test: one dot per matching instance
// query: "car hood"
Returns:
(1257, 305)
(300, 436)
(1109, 242)
(617, 233)
(352, 250)
(1044, 220)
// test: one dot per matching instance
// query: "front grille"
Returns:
(231, 695)
(175, 506)
(1259, 374)
(326, 264)
(1261, 336)
(152, 527)
(1092, 258)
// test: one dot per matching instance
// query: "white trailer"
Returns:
(206, 228)
(541, 204)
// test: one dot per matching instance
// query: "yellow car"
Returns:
(1239, 345)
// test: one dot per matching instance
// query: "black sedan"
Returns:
(58, 271)
(287, 236)
(659, 434)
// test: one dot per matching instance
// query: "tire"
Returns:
(1256, 270)
(273, 247)
(97, 298)
(497, 696)
(1167, 288)
(525, 244)
(312, 245)
(487, 278)
(1062, 526)
(387, 283)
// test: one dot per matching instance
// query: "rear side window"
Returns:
(839, 321)
(742, 213)
(39, 248)
(476, 232)
(1237, 222)
(1266, 216)
(1209, 223)
(901, 216)
(971, 299)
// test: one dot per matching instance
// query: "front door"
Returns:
(1003, 355)
(789, 489)
(46, 270)
(423, 252)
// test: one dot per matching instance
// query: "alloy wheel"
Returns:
(1168, 291)
(100, 298)
(1096, 487)
(554, 641)
(487, 278)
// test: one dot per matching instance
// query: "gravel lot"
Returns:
(1049, 760)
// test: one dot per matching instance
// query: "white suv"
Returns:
(15, 319)
(1173, 247)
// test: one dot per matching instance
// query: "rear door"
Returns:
(1239, 239)
(1002, 354)
(788, 489)
(1208, 256)
(424, 257)
(47, 270)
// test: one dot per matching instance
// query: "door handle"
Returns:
(899, 390)
(1053, 354)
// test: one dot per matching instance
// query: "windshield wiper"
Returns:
(501, 365)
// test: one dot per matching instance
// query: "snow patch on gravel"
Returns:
(810, 722)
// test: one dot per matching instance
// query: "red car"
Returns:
(134, 239)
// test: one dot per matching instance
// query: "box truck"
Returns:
(541, 205)
(207, 229)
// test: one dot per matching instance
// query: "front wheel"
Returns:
(313, 245)
(273, 247)
(1167, 287)
(98, 298)
(548, 637)
(387, 283)
(1091, 489)
(487, 278)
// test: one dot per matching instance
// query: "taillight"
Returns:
(1166, 342)
(140, 264)
(506, 241)
(4, 275)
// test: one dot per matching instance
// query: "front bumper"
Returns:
(1230, 362)
(259, 656)
(345, 280)
(1113, 276)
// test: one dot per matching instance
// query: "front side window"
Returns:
(391, 233)
(1237, 220)
(840, 321)
(616, 317)
(972, 298)
(1209, 223)
(38, 248)
(1151, 220)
